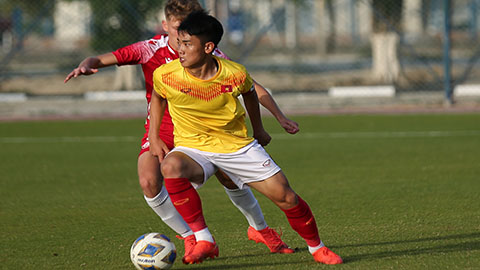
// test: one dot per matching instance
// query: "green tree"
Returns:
(30, 8)
(388, 15)
(118, 23)
(386, 23)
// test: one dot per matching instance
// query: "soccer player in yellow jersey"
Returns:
(151, 54)
(202, 92)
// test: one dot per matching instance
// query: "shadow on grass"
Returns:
(244, 265)
(437, 238)
(416, 251)
(222, 264)
(440, 247)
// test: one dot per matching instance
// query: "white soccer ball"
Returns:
(153, 251)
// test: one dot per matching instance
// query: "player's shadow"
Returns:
(441, 246)
(426, 239)
(254, 264)
(281, 265)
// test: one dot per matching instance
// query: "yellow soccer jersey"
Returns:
(206, 114)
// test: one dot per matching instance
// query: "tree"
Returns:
(387, 17)
(117, 23)
(31, 8)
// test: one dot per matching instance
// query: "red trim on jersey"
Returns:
(151, 54)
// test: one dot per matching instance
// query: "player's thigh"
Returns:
(277, 189)
(148, 168)
(225, 180)
(180, 165)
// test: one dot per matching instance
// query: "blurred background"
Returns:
(389, 48)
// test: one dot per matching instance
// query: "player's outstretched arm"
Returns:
(268, 102)
(158, 148)
(251, 104)
(90, 65)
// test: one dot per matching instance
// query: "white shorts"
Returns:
(249, 164)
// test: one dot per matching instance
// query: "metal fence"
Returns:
(287, 45)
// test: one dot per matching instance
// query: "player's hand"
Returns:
(81, 70)
(290, 126)
(159, 149)
(262, 137)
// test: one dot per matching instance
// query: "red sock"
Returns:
(187, 202)
(302, 221)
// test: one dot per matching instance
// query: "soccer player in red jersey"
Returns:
(210, 133)
(151, 54)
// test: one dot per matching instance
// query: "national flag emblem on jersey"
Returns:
(227, 88)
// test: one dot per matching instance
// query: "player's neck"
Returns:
(206, 70)
(175, 48)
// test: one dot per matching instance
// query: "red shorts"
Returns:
(166, 134)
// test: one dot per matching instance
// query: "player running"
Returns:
(210, 133)
(151, 54)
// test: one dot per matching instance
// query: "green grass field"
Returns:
(388, 192)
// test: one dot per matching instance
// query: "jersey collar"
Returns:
(170, 48)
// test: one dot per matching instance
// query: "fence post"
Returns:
(353, 21)
(447, 82)
(17, 26)
(473, 19)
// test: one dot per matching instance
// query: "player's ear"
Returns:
(209, 47)
(164, 26)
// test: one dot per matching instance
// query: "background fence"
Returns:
(287, 45)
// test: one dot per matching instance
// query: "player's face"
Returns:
(171, 27)
(191, 50)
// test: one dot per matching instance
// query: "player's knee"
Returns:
(172, 166)
(146, 181)
(287, 199)
(150, 184)
(291, 199)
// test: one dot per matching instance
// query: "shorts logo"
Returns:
(186, 90)
(181, 202)
(266, 163)
(146, 145)
(309, 221)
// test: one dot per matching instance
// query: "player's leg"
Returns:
(180, 171)
(246, 202)
(298, 213)
(156, 196)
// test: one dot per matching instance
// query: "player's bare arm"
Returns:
(157, 108)
(251, 104)
(269, 103)
(90, 65)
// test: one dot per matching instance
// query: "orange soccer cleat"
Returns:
(201, 251)
(270, 238)
(326, 256)
(189, 243)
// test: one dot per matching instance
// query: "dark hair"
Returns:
(202, 25)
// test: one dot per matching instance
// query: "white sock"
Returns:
(163, 206)
(204, 235)
(313, 249)
(244, 200)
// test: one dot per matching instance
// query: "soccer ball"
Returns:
(153, 251)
